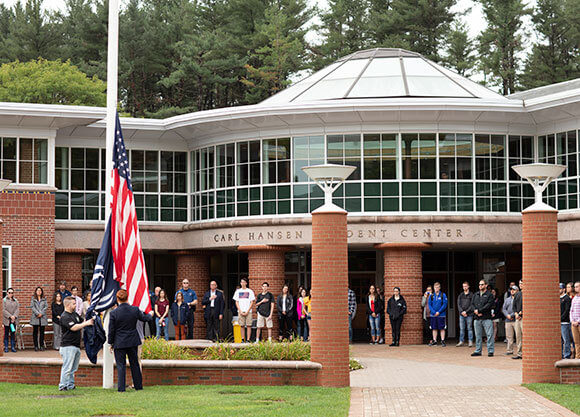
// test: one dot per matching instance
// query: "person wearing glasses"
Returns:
(483, 303)
(10, 313)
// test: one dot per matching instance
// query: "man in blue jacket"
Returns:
(213, 303)
(124, 339)
(438, 314)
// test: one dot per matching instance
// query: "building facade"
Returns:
(221, 193)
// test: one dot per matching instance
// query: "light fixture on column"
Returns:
(539, 176)
(329, 177)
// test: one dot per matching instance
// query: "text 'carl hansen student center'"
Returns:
(220, 194)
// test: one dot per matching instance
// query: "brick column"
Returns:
(194, 265)
(68, 266)
(541, 306)
(329, 324)
(1, 306)
(404, 269)
(27, 213)
(267, 263)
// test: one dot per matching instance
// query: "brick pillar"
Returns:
(1, 306)
(541, 307)
(329, 324)
(267, 263)
(68, 266)
(194, 265)
(404, 269)
(27, 213)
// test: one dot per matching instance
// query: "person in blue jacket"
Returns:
(438, 313)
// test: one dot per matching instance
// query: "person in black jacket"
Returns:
(465, 309)
(517, 307)
(483, 303)
(214, 304)
(375, 308)
(285, 307)
(565, 325)
(396, 309)
(124, 339)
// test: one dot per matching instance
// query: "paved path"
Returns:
(434, 381)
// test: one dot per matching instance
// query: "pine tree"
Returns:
(500, 44)
(344, 30)
(555, 57)
(418, 25)
(282, 52)
(460, 53)
(32, 33)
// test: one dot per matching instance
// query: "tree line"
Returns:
(178, 56)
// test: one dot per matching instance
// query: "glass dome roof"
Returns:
(382, 73)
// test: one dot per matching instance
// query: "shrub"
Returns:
(161, 349)
(264, 351)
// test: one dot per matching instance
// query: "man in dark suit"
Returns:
(213, 302)
(124, 339)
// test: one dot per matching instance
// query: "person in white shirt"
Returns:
(79, 301)
(245, 298)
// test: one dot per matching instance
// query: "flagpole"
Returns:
(112, 73)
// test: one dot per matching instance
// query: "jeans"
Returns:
(463, 323)
(71, 356)
(158, 327)
(375, 325)
(303, 329)
(487, 326)
(350, 328)
(566, 330)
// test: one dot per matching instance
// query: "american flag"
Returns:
(128, 261)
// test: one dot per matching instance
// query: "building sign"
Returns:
(359, 234)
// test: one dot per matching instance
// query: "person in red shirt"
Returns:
(375, 308)
(161, 312)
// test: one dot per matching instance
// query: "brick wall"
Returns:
(194, 265)
(28, 223)
(266, 263)
(69, 267)
(541, 306)
(1, 283)
(88, 375)
(403, 269)
(570, 376)
(329, 324)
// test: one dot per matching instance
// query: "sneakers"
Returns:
(433, 343)
(476, 354)
(443, 343)
(490, 354)
(381, 341)
(470, 344)
(509, 353)
(393, 344)
(516, 357)
(459, 344)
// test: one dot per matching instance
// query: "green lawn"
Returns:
(566, 395)
(217, 400)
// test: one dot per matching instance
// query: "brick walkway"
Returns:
(434, 381)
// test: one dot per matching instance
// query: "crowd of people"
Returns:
(480, 314)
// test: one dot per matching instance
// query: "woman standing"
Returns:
(374, 309)
(161, 312)
(302, 314)
(39, 306)
(10, 313)
(57, 308)
(179, 311)
(496, 313)
(285, 305)
(396, 309)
